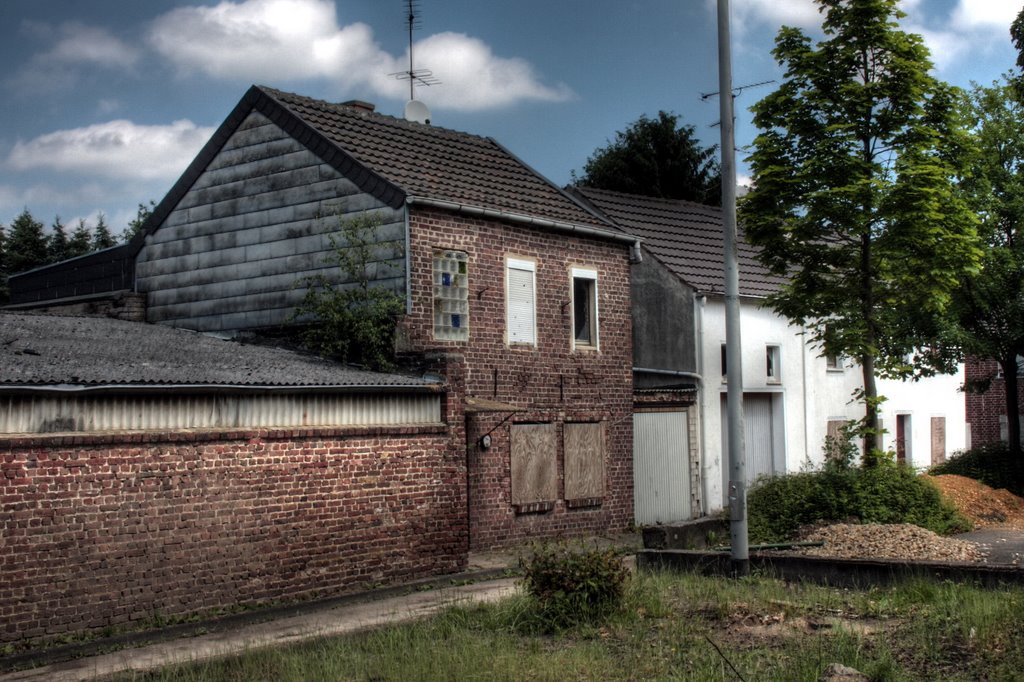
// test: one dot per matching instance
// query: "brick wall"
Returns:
(984, 410)
(109, 530)
(551, 383)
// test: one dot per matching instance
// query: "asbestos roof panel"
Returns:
(687, 237)
(54, 350)
(437, 163)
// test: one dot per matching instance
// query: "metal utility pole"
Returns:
(734, 368)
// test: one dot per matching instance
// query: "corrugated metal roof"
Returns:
(687, 237)
(38, 350)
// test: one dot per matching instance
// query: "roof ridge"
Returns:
(282, 96)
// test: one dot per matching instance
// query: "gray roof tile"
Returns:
(49, 350)
(687, 237)
(436, 163)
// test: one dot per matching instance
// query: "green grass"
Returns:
(669, 628)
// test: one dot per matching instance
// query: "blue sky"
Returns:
(104, 102)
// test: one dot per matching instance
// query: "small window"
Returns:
(773, 370)
(584, 308)
(521, 298)
(725, 367)
(834, 363)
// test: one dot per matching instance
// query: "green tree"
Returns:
(136, 223)
(354, 321)
(855, 193)
(80, 242)
(655, 158)
(990, 305)
(26, 244)
(101, 236)
(57, 242)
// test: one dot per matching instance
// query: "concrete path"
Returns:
(339, 620)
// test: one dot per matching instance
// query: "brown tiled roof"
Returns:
(431, 162)
(687, 237)
(39, 350)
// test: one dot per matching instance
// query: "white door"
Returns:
(661, 472)
(760, 438)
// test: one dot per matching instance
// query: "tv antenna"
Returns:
(413, 75)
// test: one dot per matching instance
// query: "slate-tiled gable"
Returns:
(52, 350)
(687, 237)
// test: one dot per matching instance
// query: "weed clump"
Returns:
(572, 586)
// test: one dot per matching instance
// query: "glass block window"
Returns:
(451, 296)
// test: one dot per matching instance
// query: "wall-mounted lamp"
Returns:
(485, 442)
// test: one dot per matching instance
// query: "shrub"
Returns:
(572, 586)
(353, 322)
(885, 493)
(992, 464)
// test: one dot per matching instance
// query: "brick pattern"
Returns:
(553, 383)
(109, 530)
(985, 409)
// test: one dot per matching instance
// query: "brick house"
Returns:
(986, 410)
(516, 294)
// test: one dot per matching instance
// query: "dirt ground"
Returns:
(986, 507)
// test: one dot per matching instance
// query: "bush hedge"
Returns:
(886, 493)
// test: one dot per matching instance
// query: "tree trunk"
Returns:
(1009, 365)
(871, 431)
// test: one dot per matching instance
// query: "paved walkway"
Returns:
(314, 623)
(485, 580)
(1004, 546)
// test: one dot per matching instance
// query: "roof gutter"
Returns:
(177, 389)
(544, 223)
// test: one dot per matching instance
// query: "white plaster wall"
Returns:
(811, 394)
(938, 396)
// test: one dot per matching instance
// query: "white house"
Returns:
(793, 396)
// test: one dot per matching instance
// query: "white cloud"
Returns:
(116, 149)
(987, 15)
(76, 47)
(273, 40)
(472, 76)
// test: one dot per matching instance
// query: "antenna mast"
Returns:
(413, 75)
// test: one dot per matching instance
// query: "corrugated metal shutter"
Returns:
(661, 472)
(521, 302)
(758, 436)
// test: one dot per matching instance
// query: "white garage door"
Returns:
(661, 472)
(760, 422)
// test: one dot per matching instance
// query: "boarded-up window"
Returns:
(534, 467)
(521, 301)
(584, 464)
(834, 443)
(938, 440)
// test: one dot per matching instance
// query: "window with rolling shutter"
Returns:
(520, 284)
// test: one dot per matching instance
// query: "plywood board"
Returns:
(584, 460)
(534, 463)
(938, 440)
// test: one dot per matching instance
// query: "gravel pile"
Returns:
(887, 541)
